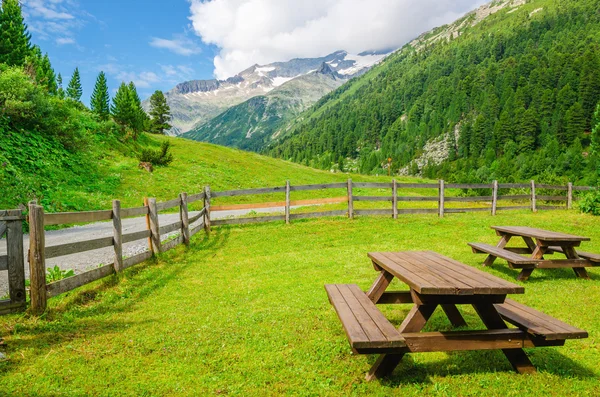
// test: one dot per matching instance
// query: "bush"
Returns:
(161, 156)
(590, 203)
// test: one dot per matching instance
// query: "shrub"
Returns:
(590, 203)
(161, 156)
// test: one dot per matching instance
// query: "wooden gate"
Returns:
(11, 224)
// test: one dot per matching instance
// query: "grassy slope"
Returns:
(245, 313)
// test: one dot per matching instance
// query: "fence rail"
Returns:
(10, 223)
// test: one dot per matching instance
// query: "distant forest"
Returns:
(522, 88)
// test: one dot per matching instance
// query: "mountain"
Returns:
(196, 102)
(251, 124)
(507, 92)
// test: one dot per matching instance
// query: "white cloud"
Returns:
(65, 40)
(264, 31)
(180, 45)
(56, 20)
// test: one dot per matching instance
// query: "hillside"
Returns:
(252, 124)
(508, 92)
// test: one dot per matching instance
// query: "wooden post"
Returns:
(441, 198)
(287, 202)
(154, 226)
(494, 197)
(16, 263)
(207, 210)
(184, 216)
(394, 199)
(148, 224)
(37, 259)
(570, 196)
(117, 235)
(350, 200)
(533, 197)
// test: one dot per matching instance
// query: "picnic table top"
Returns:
(540, 234)
(430, 273)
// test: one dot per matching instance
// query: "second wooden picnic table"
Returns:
(436, 280)
(539, 243)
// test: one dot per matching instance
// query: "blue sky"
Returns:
(157, 44)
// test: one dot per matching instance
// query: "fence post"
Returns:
(494, 197)
(148, 227)
(441, 198)
(350, 200)
(395, 199)
(117, 235)
(287, 202)
(16, 264)
(533, 197)
(570, 196)
(154, 226)
(207, 209)
(37, 259)
(183, 215)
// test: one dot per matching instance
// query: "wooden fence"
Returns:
(40, 291)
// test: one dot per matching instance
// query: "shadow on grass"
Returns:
(539, 275)
(546, 360)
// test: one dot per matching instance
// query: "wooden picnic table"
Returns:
(539, 243)
(435, 280)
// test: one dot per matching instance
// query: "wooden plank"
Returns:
(169, 245)
(2, 229)
(199, 215)
(514, 185)
(418, 198)
(247, 192)
(78, 246)
(514, 207)
(170, 228)
(117, 235)
(197, 228)
(195, 197)
(131, 212)
(441, 199)
(185, 221)
(15, 261)
(37, 260)
(372, 198)
(10, 218)
(320, 186)
(494, 197)
(469, 186)
(207, 197)
(127, 238)
(533, 197)
(495, 339)
(8, 307)
(372, 185)
(586, 255)
(168, 204)
(241, 221)
(507, 255)
(569, 196)
(470, 199)
(540, 234)
(154, 225)
(60, 218)
(395, 297)
(462, 210)
(136, 259)
(551, 207)
(582, 188)
(418, 211)
(394, 199)
(552, 198)
(552, 187)
(70, 283)
(418, 186)
(373, 212)
(3, 262)
(350, 200)
(352, 327)
(308, 215)
(379, 285)
(515, 197)
(287, 202)
(279, 204)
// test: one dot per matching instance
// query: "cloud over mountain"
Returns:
(263, 31)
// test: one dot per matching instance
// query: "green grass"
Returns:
(244, 312)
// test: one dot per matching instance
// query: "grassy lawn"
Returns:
(244, 312)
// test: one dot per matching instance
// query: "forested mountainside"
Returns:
(511, 97)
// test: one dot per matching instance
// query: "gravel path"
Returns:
(90, 259)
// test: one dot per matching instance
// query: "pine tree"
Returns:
(121, 107)
(100, 101)
(15, 41)
(575, 123)
(140, 118)
(74, 90)
(49, 75)
(589, 85)
(60, 91)
(160, 112)
(595, 146)
(529, 129)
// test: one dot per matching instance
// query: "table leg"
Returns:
(501, 244)
(571, 253)
(414, 322)
(379, 286)
(454, 315)
(492, 320)
(530, 243)
(538, 253)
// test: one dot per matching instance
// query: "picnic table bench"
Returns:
(435, 280)
(546, 243)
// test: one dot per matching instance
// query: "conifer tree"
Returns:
(575, 123)
(595, 146)
(15, 41)
(74, 90)
(60, 91)
(49, 75)
(589, 85)
(160, 112)
(529, 128)
(121, 107)
(100, 101)
(139, 117)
